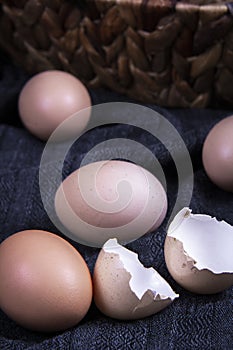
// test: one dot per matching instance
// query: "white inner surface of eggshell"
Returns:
(142, 278)
(205, 240)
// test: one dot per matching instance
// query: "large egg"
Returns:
(217, 154)
(49, 98)
(45, 283)
(109, 199)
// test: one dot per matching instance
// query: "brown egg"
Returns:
(109, 199)
(124, 288)
(49, 98)
(45, 283)
(217, 154)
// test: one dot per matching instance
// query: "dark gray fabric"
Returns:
(192, 321)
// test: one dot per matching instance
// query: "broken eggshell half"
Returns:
(198, 252)
(124, 289)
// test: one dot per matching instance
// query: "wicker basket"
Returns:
(174, 54)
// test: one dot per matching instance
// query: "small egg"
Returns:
(217, 154)
(45, 283)
(49, 98)
(198, 252)
(124, 289)
(109, 199)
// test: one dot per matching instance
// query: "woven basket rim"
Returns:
(173, 3)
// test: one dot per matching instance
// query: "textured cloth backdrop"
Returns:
(192, 321)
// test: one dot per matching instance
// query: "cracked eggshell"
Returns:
(124, 288)
(198, 252)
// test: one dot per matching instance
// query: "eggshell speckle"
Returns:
(49, 98)
(45, 283)
(110, 199)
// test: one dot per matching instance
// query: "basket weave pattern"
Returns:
(175, 54)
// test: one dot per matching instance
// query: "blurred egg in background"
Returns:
(49, 98)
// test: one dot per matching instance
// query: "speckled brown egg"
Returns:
(217, 154)
(108, 199)
(45, 282)
(51, 97)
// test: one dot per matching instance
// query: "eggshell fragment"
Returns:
(45, 283)
(109, 199)
(198, 252)
(49, 98)
(124, 288)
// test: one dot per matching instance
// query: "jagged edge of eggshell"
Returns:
(184, 214)
(112, 246)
